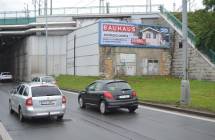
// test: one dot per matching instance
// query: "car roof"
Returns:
(37, 84)
(110, 81)
(43, 76)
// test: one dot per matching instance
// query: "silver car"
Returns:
(44, 79)
(33, 100)
(6, 76)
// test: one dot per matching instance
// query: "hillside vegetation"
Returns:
(202, 23)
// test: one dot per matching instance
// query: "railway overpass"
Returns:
(22, 37)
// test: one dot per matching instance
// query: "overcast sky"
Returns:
(12, 5)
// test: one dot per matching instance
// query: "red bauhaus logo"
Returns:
(118, 28)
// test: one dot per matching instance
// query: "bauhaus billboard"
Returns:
(133, 35)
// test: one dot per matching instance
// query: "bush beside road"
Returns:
(155, 89)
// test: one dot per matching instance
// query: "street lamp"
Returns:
(46, 45)
(185, 84)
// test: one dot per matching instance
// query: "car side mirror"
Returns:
(83, 92)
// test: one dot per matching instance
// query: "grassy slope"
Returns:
(155, 89)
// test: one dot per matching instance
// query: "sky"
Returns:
(14, 5)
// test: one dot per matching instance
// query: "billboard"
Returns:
(133, 35)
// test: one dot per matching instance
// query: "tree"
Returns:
(202, 23)
(210, 4)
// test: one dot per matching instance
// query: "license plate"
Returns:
(47, 102)
(124, 96)
(54, 113)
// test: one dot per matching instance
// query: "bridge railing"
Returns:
(25, 17)
(96, 10)
(177, 23)
(17, 17)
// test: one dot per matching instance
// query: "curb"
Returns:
(179, 109)
(3, 133)
(168, 107)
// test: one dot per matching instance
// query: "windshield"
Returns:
(45, 91)
(118, 86)
(48, 79)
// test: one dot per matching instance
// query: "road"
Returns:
(146, 124)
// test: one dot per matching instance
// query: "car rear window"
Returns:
(118, 86)
(45, 91)
(6, 73)
(48, 79)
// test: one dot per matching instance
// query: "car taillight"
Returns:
(64, 100)
(108, 95)
(29, 102)
(134, 94)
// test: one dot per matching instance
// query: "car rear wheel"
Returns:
(81, 102)
(21, 117)
(132, 109)
(103, 108)
(59, 118)
(10, 108)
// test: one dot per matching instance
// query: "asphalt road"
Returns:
(145, 124)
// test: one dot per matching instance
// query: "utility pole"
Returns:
(150, 6)
(50, 7)
(185, 84)
(39, 7)
(34, 2)
(146, 6)
(46, 38)
(26, 10)
(174, 5)
(107, 7)
(74, 63)
(101, 6)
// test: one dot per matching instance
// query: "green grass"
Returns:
(74, 82)
(159, 89)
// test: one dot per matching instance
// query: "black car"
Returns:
(109, 94)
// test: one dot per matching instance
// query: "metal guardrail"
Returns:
(17, 17)
(209, 53)
(177, 23)
(112, 10)
(25, 17)
(17, 21)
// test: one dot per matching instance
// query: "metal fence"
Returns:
(208, 52)
(17, 17)
(177, 23)
(25, 17)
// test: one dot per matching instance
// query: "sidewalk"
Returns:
(3, 133)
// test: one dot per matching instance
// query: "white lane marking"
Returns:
(69, 92)
(178, 114)
(165, 111)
